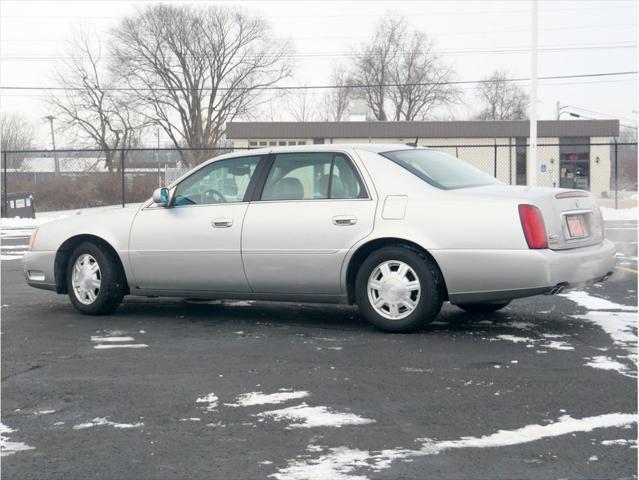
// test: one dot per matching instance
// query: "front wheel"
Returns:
(482, 307)
(398, 289)
(95, 281)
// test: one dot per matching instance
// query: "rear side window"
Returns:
(312, 176)
(440, 169)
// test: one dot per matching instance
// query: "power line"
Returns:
(338, 15)
(449, 52)
(330, 87)
(354, 37)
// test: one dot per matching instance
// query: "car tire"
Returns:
(483, 307)
(95, 280)
(386, 293)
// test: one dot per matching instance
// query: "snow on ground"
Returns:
(611, 214)
(618, 321)
(620, 441)
(342, 463)
(305, 416)
(109, 342)
(210, 400)
(8, 447)
(102, 421)
(549, 341)
(259, 398)
(606, 363)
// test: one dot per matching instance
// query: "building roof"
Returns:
(453, 129)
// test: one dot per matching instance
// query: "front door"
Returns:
(194, 244)
(313, 208)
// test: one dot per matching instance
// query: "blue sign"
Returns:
(543, 167)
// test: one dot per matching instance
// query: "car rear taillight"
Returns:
(533, 224)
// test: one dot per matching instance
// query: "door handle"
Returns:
(344, 220)
(222, 223)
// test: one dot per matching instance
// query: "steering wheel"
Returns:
(215, 195)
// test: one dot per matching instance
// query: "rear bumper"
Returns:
(490, 275)
(38, 268)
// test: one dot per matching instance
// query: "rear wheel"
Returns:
(398, 289)
(483, 307)
(95, 280)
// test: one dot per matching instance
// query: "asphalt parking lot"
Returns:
(167, 388)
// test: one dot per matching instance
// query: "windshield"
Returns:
(440, 169)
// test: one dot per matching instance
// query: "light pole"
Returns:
(56, 163)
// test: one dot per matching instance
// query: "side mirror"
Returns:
(161, 196)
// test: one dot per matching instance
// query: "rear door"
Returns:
(312, 209)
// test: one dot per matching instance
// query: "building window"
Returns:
(272, 143)
(252, 144)
(282, 143)
(574, 162)
(521, 176)
(302, 142)
(262, 144)
(291, 142)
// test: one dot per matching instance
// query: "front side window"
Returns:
(225, 181)
(440, 169)
(312, 176)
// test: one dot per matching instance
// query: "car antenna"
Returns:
(413, 144)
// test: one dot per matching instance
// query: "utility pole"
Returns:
(56, 162)
(532, 161)
(157, 156)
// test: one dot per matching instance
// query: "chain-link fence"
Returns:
(80, 178)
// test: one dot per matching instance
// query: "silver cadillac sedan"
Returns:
(396, 229)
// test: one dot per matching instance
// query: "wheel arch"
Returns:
(64, 253)
(358, 257)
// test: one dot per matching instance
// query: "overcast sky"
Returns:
(576, 37)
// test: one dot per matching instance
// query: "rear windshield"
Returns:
(440, 169)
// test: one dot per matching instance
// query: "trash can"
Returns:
(20, 204)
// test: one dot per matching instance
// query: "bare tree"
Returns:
(196, 68)
(91, 106)
(398, 74)
(337, 101)
(301, 106)
(422, 81)
(16, 133)
(501, 99)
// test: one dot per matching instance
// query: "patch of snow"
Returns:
(112, 339)
(593, 458)
(259, 398)
(238, 303)
(44, 412)
(606, 363)
(211, 400)
(341, 463)
(523, 325)
(621, 441)
(190, 419)
(516, 339)
(116, 345)
(416, 370)
(304, 416)
(590, 302)
(558, 345)
(8, 447)
(102, 421)
(612, 214)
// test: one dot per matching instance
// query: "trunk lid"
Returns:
(572, 217)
